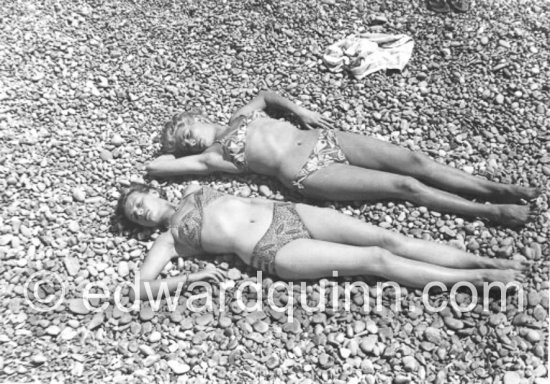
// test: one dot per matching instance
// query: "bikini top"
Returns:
(234, 143)
(186, 225)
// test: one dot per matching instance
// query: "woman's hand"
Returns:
(207, 274)
(311, 120)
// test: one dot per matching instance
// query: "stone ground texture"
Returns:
(84, 87)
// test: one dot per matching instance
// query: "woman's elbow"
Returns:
(153, 169)
(266, 94)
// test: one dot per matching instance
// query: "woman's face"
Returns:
(194, 137)
(145, 209)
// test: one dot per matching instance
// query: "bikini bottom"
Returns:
(285, 227)
(327, 151)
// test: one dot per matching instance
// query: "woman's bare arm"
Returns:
(201, 164)
(271, 100)
(162, 251)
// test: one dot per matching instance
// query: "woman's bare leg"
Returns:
(348, 182)
(329, 225)
(376, 154)
(313, 259)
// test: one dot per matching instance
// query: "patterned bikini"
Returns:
(327, 150)
(286, 226)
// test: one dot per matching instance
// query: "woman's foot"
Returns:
(514, 193)
(511, 215)
(503, 276)
(518, 265)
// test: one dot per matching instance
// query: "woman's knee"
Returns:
(409, 185)
(378, 257)
(418, 160)
(392, 242)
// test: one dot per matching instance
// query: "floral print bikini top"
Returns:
(234, 143)
(186, 225)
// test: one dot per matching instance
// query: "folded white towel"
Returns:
(366, 53)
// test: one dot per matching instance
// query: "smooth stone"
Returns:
(432, 335)
(261, 326)
(345, 353)
(544, 298)
(117, 140)
(187, 323)
(79, 194)
(353, 346)
(273, 362)
(176, 317)
(368, 343)
(73, 226)
(371, 326)
(400, 379)
(245, 191)
(540, 313)
(106, 155)
(39, 359)
(155, 336)
(367, 367)
(497, 319)
(293, 327)
(146, 313)
(53, 330)
(123, 269)
(126, 318)
(178, 367)
(533, 336)
(533, 298)
(150, 360)
(410, 364)
(234, 274)
(96, 321)
(453, 323)
(204, 319)
(146, 350)
(540, 371)
(225, 322)
(72, 265)
(265, 191)
(511, 377)
(358, 326)
(68, 333)
(324, 360)
(522, 319)
(77, 306)
(427, 346)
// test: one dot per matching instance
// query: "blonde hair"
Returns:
(167, 136)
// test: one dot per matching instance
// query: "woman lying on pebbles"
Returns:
(295, 242)
(328, 164)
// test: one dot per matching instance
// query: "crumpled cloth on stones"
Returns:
(366, 53)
